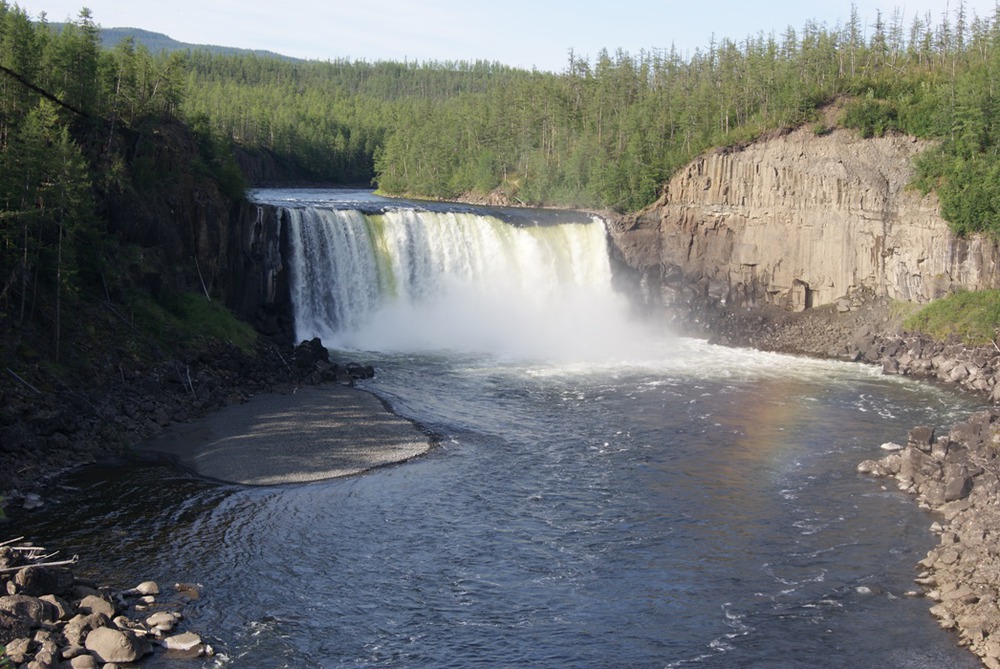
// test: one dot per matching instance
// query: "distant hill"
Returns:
(157, 42)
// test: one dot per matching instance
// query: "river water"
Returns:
(628, 499)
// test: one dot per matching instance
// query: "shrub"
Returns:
(972, 316)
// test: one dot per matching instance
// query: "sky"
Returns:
(524, 33)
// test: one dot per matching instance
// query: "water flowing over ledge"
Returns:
(378, 274)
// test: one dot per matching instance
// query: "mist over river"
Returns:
(602, 493)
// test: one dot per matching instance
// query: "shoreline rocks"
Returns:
(956, 476)
(50, 618)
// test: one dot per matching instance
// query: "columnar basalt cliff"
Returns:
(801, 220)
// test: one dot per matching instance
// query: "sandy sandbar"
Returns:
(315, 433)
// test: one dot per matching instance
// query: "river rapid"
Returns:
(613, 497)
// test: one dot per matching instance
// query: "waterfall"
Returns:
(406, 280)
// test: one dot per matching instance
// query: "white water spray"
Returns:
(410, 280)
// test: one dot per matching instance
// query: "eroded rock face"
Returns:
(801, 221)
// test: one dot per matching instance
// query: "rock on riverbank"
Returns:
(957, 476)
(49, 618)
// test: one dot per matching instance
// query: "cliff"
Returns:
(800, 220)
(186, 233)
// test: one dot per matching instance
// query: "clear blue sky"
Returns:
(524, 33)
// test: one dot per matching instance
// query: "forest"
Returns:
(79, 125)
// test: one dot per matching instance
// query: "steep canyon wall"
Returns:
(801, 220)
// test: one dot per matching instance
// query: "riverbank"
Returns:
(47, 427)
(952, 471)
(956, 476)
(282, 416)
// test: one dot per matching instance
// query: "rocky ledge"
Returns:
(957, 477)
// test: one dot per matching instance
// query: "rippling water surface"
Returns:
(696, 508)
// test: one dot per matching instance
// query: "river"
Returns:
(602, 493)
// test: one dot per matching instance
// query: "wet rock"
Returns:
(144, 588)
(188, 643)
(163, 620)
(308, 353)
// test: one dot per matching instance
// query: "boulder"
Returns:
(308, 353)
(20, 649)
(80, 625)
(12, 627)
(187, 642)
(144, 588)
(38, 581)
(96, 604)
(61, 608)
(32, 610)
(163, 620)
(921, 437)
(115, 645)
(957, 482)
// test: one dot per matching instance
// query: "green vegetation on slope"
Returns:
(186, 318)
(92, 160)
(971, 316)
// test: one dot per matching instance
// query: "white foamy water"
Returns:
(407, 280)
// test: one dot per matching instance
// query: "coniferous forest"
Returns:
(80, 125)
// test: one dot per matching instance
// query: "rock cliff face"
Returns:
(800, 220)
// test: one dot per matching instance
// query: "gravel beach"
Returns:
(312, 434)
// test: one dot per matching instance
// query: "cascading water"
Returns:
(408, 279)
